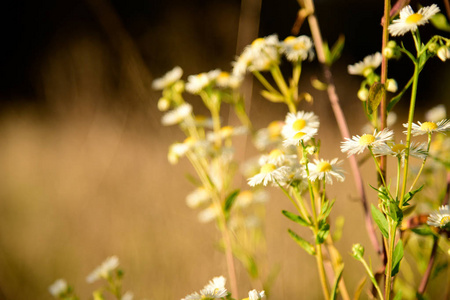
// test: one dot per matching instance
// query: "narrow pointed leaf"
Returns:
(397, 257)
(337, 48)
(295, 218)
(230, 201)
(336, 282)
(380, 220)
(302, 243)
(376, 93)
(359, 289)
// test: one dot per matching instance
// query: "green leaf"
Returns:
(395, 212)
(230, 201)
(398, 296)
(327, 53)
(423, 230)
(302, 243)
(326, 209)
(295, 218)
(440, 22)
(336, 282)
(337, 48)
(323, 232)
(381, 221)
(410, 195)
(397, 257)
(376, 93)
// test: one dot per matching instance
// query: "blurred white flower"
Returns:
(409, 20)
(255, 295)
(325, 169)
(104, 270)
(177, 115)
(443, 53)
(436, 114)
(198, 197)
(58, 287)
(298, 48)
(168, 79)
(127, 296)
(367, 66)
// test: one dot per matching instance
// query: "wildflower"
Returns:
(269, 136)
(247, 197)
(215, 289)
(227, 80)
(443, 53)
(428, 127)
(268, 173)
(255, 295)
(299, 127)
(197, 83)
(440, 218)
(409, 20)
(276, 157)
(357, 144)
(104, 270)
(58, 287)
(177, 115)
(391, 85)
(226, 132)
(324, 169)
(168, 79)
(208, 214)
(367, 66)
(298, 48)
(399, 150)
(436, 113)
(198, 197)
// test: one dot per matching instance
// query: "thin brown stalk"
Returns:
(341, 121)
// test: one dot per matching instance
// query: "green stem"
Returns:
(399, 170)
(265, 83)
(423, 163)
(390, 251)
(372, 278)
(408, 132)
(322, 275)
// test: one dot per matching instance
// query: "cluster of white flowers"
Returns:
(104, 270)
(282, 166)
(265, 52)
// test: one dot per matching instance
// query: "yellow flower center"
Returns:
(398, 148)
(275, 153)
(226, 131)
(299, 46)
(366, 139)
(299, 124)
(289, 39)
(428, 126)
(274, 129)
(414, 18)
(444, 220)
(299, 135)
(267, 168)
(258, 42)
(324, 166)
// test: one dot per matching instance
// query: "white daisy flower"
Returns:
(58, 287)
(248, 197)
(255, 295)
(428, 127)
(104, 270)
(227, 80)
(168, 79)
(226, 132)
(241, 63)
(268, 173)
(440, 218)
(271, 135)
(325, 169)
(215, 289)
(409, 20)
(299, 127)
(262, 53)
(367, 66)
(198, 82)
(276, 157)
(177, 115)
(208, 214)
(417, 150)
(198, 197)
(357, 144)
(298, 48)
(194, 296)
(436, 114)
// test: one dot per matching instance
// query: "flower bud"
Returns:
(391, 85)
(358, 251)
(163, 104)
(433, 47)
(388, 53)
(363, 94)
(443, 53)
(391, 44)
(178, 87)
(304, 161)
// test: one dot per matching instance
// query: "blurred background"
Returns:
(83, 156)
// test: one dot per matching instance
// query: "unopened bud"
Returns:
(163, 104)
(358, 251)
(443, 53)
(178, 87)
(433, 47)
(363, 94)
(388, 53)
(391, 85)
(391, 44)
